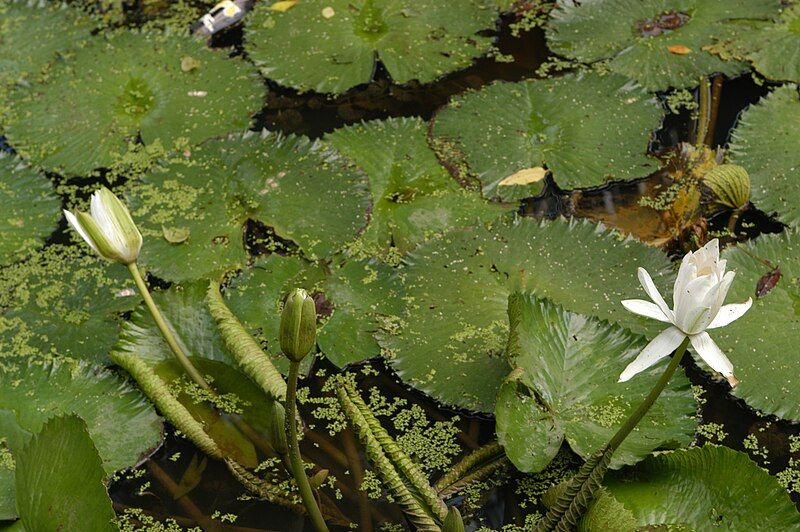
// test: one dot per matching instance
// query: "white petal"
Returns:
(729, 313)
(686, 273)
(690, 303)
(73, 221)
(711, 354)
(659, 347)
(645, 308)
(651, 290)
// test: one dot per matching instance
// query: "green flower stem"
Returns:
(165, 331)
(640, 412)
(298, 468)
(704, 112)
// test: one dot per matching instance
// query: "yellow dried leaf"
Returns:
(679, 49)
(524, 177)
(284, 5)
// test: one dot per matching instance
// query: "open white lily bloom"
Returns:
(109, 228)
(699, 292)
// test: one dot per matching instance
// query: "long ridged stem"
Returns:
(196, 376)
(704, 112)
(579, 492)
(298, 468)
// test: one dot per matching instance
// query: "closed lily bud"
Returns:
(277, 436)
(453, 522)
(729, 185)
(108, 228)
(298, 332)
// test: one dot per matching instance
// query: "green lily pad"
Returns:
(127, 86)
(185, 310)
(762, 343)
(34, 34)
(304, 190)
(414, 198)
(63, 300)
(30, 208)
(659, 43)
(332, 45)
(585, 128)
(705, 488)
(362, 292)
(763, 144)
(256, 298)
(451, 336)
(564, 387)
(123, 425)
(773, 48)
(60, 480)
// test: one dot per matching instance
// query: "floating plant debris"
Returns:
(508, 127)
(126, 87)
(332, 45)
(636, 36)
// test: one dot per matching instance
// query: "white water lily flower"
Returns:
(109, 228)
(699, 292)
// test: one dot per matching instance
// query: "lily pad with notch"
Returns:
(63, 300)
(564, 388)
(703, 488)
(658, 43)
(125, 87)
(414, 198)
(120, 420)
(30, 207)
(763, 144)
(185, 310)
(193, 211)
(765, 362)
(332, 45)
(450, 337)
(585, 128)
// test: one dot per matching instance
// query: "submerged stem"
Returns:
(169, 337)
(298, 468)
(704, 112)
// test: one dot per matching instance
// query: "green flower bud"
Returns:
(277, 436)
(729, 185)
(453, 522)
(298, 332)
(108, 228)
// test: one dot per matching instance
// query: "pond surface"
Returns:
(172, 485)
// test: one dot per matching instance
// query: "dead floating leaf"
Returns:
(768, 281)
(283, 5)
(679, 49)
(524, 177)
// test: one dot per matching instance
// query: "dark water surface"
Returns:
(313, 115)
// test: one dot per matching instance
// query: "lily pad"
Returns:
(585, 128)
(362, 293)
(185, 310)
(413, 197)
(130, 86)
(704, 488)
(60, 480)
(762, 343)
(762, 143)
(772, 47)
(63, 300)
(304, 190)
(123, 425)
(30, 209)
(564, 387)
(332, 45)
(659, 43)
(451, 336)
(34, 34)
(256, 297)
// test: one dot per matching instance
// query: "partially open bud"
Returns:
(729, 185)
(298, 332)
(108, 228)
